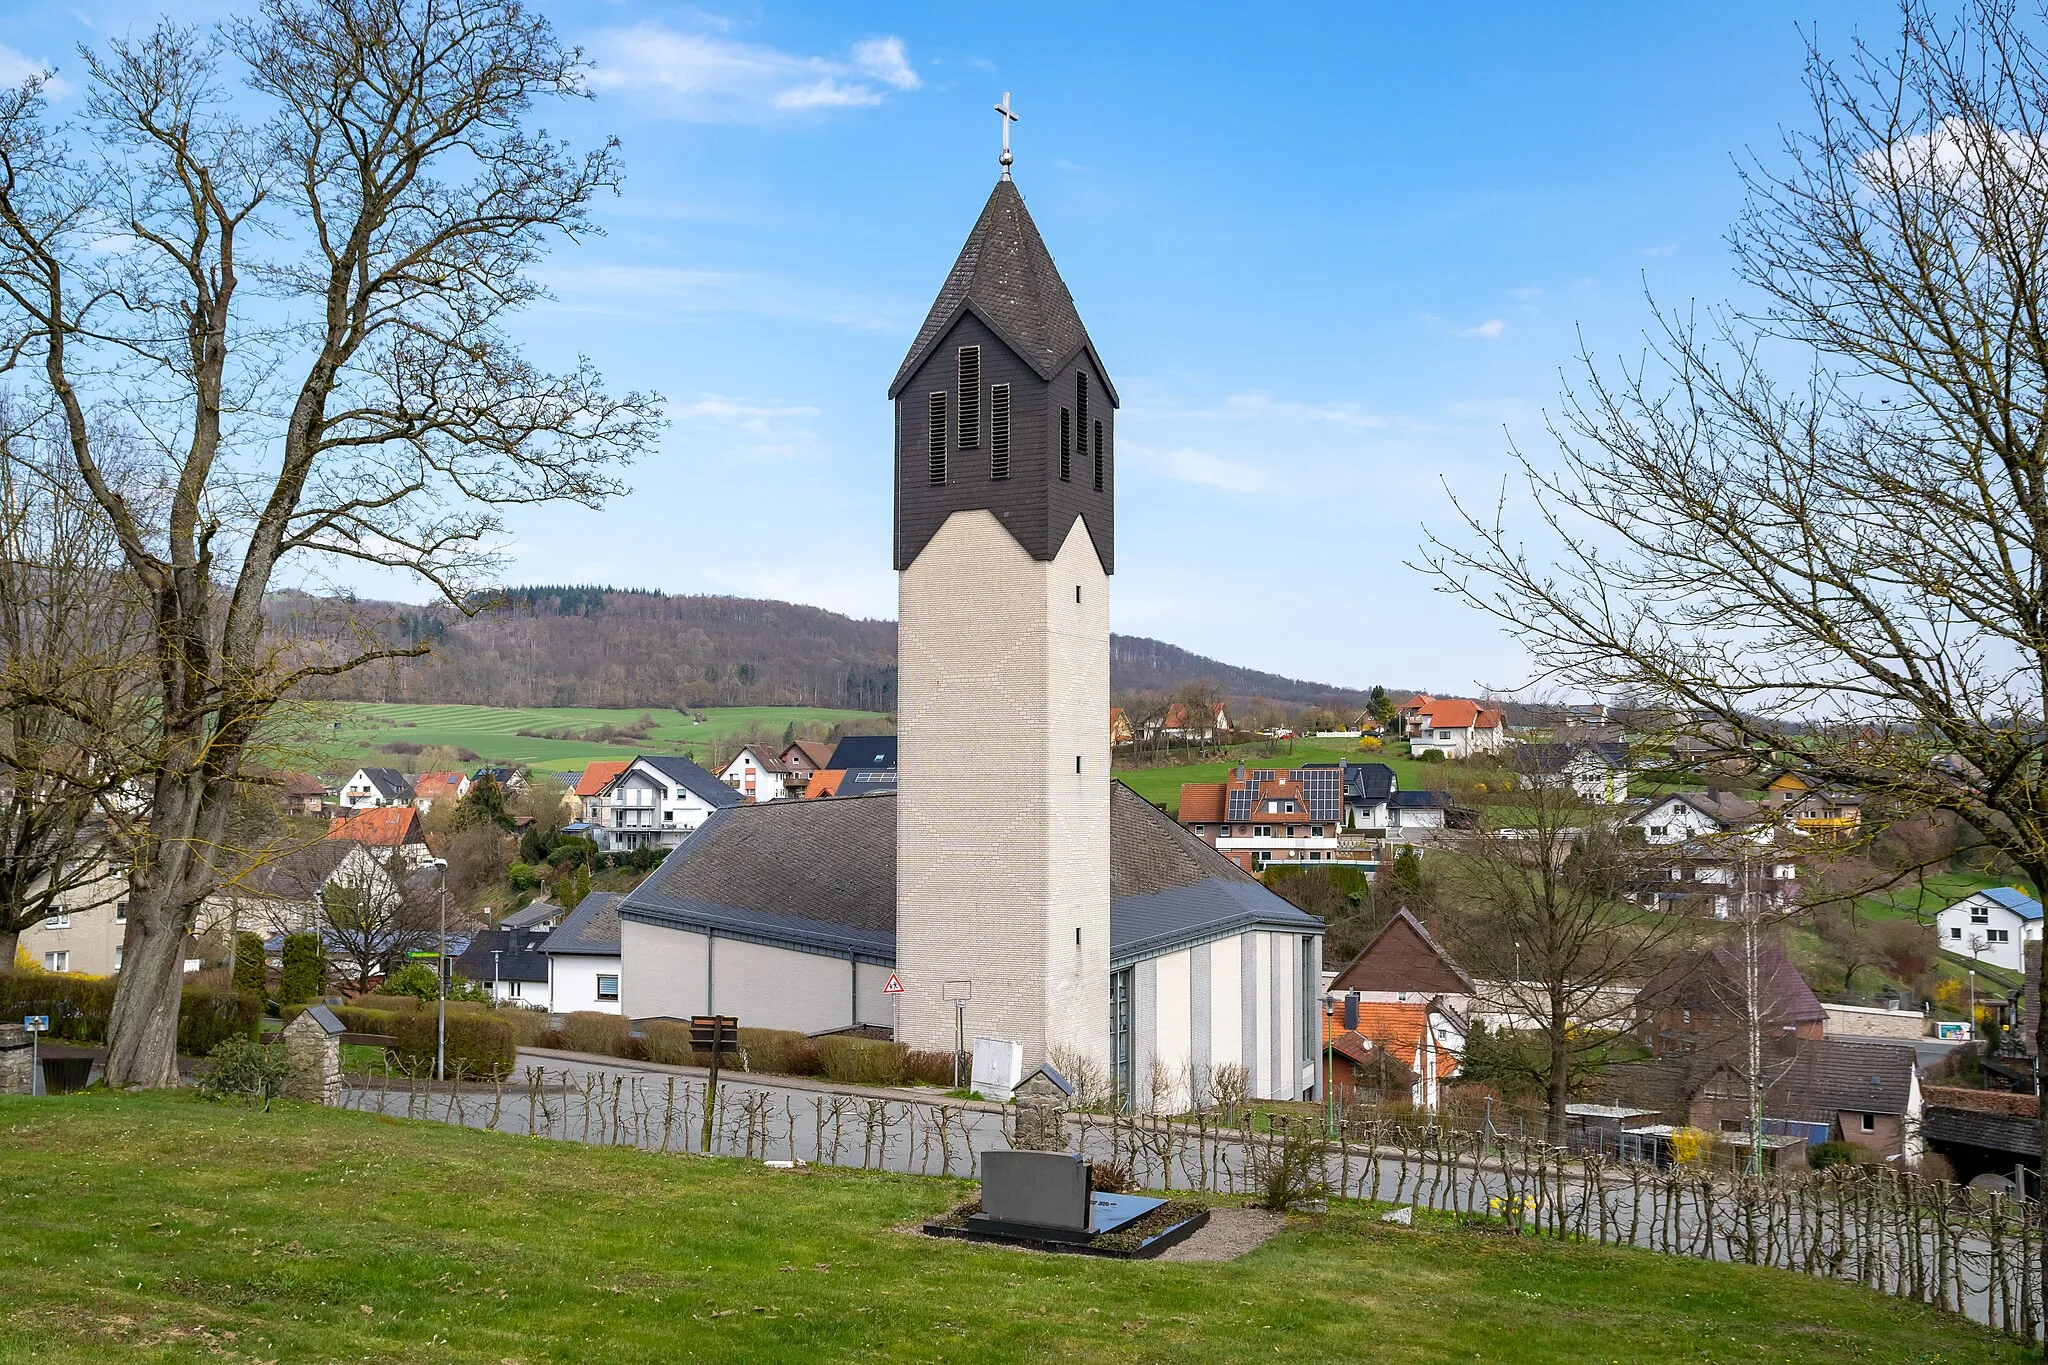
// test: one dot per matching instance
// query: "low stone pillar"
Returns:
(17, 1074)
(1041, 1124)
(312, 1046)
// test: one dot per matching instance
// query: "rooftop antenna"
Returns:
(1009, 117)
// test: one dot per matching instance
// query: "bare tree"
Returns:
(1550, 914)
(371, 918)
(1858, 545)
(380, 188)
(71, 704)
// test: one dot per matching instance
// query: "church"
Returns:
(1012, 887)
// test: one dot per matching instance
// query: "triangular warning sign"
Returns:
(893, 987)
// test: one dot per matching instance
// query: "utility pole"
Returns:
(441, 1000)
(494, 976)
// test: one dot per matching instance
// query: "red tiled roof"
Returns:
(824, 782)
(434, 786)
(303, 784)
(599, 773)
(1456, 713)
(380, 827)
(1397, 1028)
(1201, 802)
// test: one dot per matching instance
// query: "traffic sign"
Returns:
(417, 952)
(36, 1023)
(894, 986)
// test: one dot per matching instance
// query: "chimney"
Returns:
(1351, 1010)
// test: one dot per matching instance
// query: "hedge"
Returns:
(478, 1046)
(79, 1007)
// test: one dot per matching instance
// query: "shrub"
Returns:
(861, 1061)
(668, 1042)
(1430, 756)
(239, 1067)
(479, 1046)
(590, 1031)
(932, 1068)
(415, 979)
(1110, 1177)
(249, 970)
(78, 1006)
(1287, 1170)
(210, 1016)
(1837, 1152)
(305, 971)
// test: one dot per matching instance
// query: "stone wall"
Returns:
(17, 1077)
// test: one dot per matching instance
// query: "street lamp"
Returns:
(1329, 1067)
(441, 991)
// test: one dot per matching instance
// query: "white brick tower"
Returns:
(1004, 547)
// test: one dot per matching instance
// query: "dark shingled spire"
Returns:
(1007, 275)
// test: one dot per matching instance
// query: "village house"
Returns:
(1263, 817)
(510, 779)
(757, 773)
(1595, 771)
(429, 788)
(1369, 790)
(1119, 727)
(509, 964)
(657, 802)
(85, 932)
(301, 794)
(1701, 1001)
(385, 830)
(800, 759)
(1813, 809)
(584, 960)
(861, 765)
(1687, 815)
(584, 798)
(1405, 965)
(1455, 728)
(1177, 722)
(1991, 926)
(371, 788)
(1406, 1053)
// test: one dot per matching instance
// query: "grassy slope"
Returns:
(493, 731)
(183, 1231)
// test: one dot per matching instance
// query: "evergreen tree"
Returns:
(483, 804)
(305, 970)
(249, 973)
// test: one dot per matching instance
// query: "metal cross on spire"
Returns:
(1009, 117)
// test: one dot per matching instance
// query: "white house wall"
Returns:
(1232, 1001)
(573, 983)
(678, 973)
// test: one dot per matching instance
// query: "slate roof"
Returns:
(293, 876)
(1006, 275)
(592, 928)
(1368, 784)
(1710, 981)
(534, 915)
(1421, 800)
(1544, 760)
(520, 957)
(1724, 808)
(864, 751)
(388, 783)
(821, 875)
(693, 779)
(1811, 1080)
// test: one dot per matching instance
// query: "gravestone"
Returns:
(312, 1046)
(1036, 1189)
(16, 1075)
(1041, 1121)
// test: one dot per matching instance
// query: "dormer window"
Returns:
(936, 438)
(970, 397)
(1066, 446)
(999, 432)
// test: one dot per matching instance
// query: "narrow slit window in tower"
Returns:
(1066, 445)
(937, 438)
(1098, 457)
(999, 432)
(970, 397)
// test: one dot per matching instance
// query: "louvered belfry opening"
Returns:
(970, 397)
(937, 438)
(1081, 409)
(1066, 445)
(999, 432)
(1098, 456)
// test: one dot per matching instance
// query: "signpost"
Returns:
(37, 1025)
(959, 992)
(893, 988)
(716, 1034)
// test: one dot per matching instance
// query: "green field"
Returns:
(161, 1228)
(336, 735)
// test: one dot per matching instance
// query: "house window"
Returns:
(1955, 931)
(1979, 915)
(57, 922)
(56, 962)
(1657, 831)
(935, 438)
(1262, 831)
(970, 397)
(1998, 935)
(1066, 446)
(1870, 1123)
(999, 432)
(1198, 829)
(120, 912)
(607, 987)
(120, 950)
(1098, 457)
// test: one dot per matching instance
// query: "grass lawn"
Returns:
(492, 731)
(162, 1228)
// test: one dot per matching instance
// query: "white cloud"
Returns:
(1488, 329)
(718, 80)
(1185, 464)
(1658, 252)
(883, 59)
(16, 67)
(1526, 292)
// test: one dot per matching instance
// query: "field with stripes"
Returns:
(337, 735)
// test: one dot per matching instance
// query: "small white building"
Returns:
(657, 802)
(1455, 728)
(583, 957)
(1991, 926)
(758, 773)
(374, 787)
(1696, 815)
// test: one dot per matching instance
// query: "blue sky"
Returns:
(1335, 257)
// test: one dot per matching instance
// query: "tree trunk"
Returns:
(10, 944)
(2039, 874)
(1560, 1070)
(142, 1034)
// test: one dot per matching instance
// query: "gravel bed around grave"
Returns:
(1229, 1234)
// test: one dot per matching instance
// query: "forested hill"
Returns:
(593, 646)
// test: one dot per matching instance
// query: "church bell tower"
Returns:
(1005, 492)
